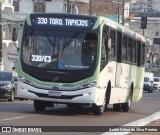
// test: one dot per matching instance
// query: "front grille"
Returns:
(61, 97)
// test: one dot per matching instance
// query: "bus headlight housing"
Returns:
(89, 85)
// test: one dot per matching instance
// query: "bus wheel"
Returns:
(105, 105)
(126, 106)
(97, 110)
(39, 106)
(117, 107)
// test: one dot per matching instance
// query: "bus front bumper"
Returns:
(82, 96)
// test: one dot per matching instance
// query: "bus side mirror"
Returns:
(14, 34)
(109, 44)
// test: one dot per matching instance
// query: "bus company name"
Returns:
(62, 22)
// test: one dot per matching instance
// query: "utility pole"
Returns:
(123, 8)
(144, 21)
(118, 3)
(118, 11)
(1, 42)
(90, 7)
(118, 14)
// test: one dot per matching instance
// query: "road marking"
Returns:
(14, 118)
(138, 123)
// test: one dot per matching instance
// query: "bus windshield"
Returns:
(59, 50)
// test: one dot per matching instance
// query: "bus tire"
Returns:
(126, 106)
(107, 97)
(105, 105)
(97, 110)
(117, 107)
(39, 106)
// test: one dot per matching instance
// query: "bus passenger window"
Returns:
(134, 51)
(113, 41)
(124, 49)
(119, 46)
(129, 49)
(143, 54)
(139, 53)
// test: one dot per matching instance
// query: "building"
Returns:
(149, 8)
(141, 6)
(21, 9)
(24, 7)
(30, 6)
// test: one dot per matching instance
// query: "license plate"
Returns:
(54, 93)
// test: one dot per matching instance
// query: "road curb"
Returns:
(140, 122)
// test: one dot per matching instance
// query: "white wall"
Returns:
(7, 64)
(7, 2)
(156, 4)
(55, 6)
(26, 6)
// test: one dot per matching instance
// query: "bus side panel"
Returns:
(138, 89)
(106, 75)
(123, 81)
(83, 96)
(131, 74)
(126, 74)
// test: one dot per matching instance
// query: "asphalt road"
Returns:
(21, 113)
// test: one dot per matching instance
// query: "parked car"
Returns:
(7, 86)
(147, 88)
(157, 83)
(148, 82)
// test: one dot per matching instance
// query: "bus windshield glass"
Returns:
(59, 50)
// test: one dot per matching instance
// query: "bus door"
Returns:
(118, 59)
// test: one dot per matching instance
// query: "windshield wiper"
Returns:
(66, 44)
(51, 41)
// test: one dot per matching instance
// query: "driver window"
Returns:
(104, 51)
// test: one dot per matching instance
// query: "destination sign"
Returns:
(67, 22)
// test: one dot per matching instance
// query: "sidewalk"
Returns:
(154, 123)
(151, 120)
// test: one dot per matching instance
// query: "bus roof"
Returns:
(61, 20)
(98, 21)
(123, 29)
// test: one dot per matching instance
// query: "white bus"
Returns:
(80, 60)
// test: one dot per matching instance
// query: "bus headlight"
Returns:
(88, 85)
